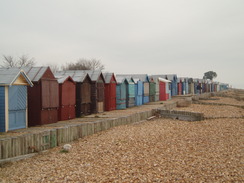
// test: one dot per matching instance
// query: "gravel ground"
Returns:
(224, 100)
(214, 111)
(161, 150)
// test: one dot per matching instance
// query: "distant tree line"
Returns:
(80, 64)
(24, 60)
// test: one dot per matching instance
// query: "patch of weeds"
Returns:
(63, 151)
(161, 103)
(96, 116)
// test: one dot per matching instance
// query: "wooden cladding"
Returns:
(49, 93)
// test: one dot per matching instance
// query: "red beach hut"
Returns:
(110, 91)
(43, 97)
(83, 90)
(67, 98)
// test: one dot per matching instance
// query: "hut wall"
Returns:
(17, 100)
(152, 92)
(97, 96)
(130, 95)
(173, 88)
(162, 91)
(191, 88)
(110, 95)
(195, 88)
(100, 96)
(146, 92)
(93, 98)
(121, 96)
(156, 91)
(67, 100)
(43, 100)
(168, 92)
(34, 105)
(179, 86)
(138, 93)
(83, 97)
(186, 87)
(2, 109)
(183, 90)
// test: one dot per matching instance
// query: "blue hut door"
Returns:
(17, 107)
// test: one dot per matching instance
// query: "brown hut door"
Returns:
(100, 95)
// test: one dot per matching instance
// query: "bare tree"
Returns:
(54, 67)
(24, 60)
(84, 64)
(8, 61)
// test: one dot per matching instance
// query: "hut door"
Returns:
(17, 107)
(162, 90)
(100, 97)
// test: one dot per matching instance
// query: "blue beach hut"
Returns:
(121, 92)
(138, 92)
(130, 93)
(13, 99)
(145, 80)
(173, 79)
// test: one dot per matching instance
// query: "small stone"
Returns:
(67, 147)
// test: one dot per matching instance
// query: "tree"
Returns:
(84, 64)
(24, 60)
(210, 75)
(54, 67)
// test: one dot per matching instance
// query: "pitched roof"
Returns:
(171, 76)
(35, 73)
(94, 74)
(108, 76)
(63, 78)
(164, 80)
(142, 77)
(76, 75)
(158, 76)
(9, 75)
(121, 79)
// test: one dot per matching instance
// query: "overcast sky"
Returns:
(186, 37)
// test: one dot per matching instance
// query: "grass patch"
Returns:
(63, 151)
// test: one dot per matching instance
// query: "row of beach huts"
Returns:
(32, 96)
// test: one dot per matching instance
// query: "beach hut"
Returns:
(179, 86)
(67, 97)
(138, 92)
(97, 90)
(208, 85)
(43, 97)
(174, 80)
(121, 89)
(184, 86)
(164, 89)
(13, 99)
(110, 91)
(130, 90)
(83, 90)
(223, 86)
(130, 93)
(202, 84)
(187, 86)
(145, 79)
(197, 84)
(153, 85)
(191, 88)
